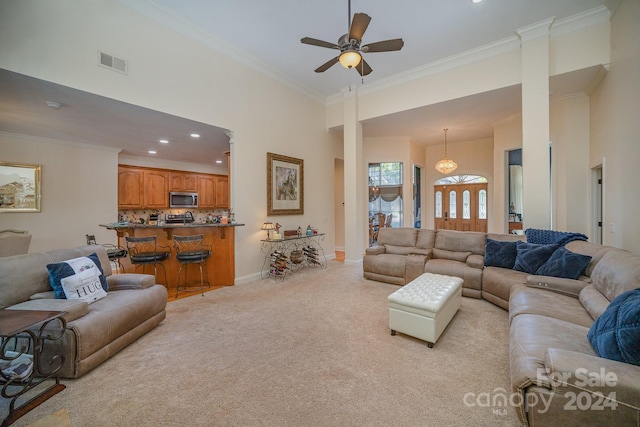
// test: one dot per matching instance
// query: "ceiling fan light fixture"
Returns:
(446, 165)
(350, 59)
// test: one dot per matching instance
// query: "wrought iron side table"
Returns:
(23, 334)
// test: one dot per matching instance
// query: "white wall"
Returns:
(78, 191)
(615, 127)
(571, 175)
(169, 72)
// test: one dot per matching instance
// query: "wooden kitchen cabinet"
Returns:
(130, 188)
(222, 192)
(156, 189)
(206, 191)
(181, 181)
(148, 188)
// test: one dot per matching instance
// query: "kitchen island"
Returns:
(220, 267)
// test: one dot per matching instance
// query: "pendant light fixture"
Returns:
(446, 165)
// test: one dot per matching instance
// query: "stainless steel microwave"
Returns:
(183, 200)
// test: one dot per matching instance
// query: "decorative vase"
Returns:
(296, 256)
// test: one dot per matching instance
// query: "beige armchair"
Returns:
(14, 242)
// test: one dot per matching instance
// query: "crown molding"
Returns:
(153, 10)
(474, 55)
(580, 21)
(535, 31)
(549, 26)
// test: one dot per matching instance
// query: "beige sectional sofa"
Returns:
(402, 254)
(557, 376)
(134, 305)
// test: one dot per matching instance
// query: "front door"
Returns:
(461, 207)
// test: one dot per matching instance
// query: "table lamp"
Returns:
(268, 226)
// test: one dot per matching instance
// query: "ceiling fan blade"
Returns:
(359, 25)
(324, 67)
(363, 68)
(321, 43)
(384, 46)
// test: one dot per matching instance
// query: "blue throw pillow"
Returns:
(615, 334)
(79, 278)
(500, 254)
(564, 263)
(531, 256)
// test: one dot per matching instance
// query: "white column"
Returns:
(353, 180)
(535, 125)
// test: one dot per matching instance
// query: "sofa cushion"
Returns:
(451, 255)
(500, 254)
(527, 300)
(497, 283)
(461, 241)
(617, 272)
(564, 263)
(616, 333)
(531, 256)
(397, 236)
(78, 278)
(595, 251)
(399, 250)
(426, 238)
(531, 336)
(385, 264)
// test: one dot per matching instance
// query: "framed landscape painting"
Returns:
(285, 185)
(19, 187)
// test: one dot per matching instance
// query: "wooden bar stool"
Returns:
(191, 250)
(144, 251)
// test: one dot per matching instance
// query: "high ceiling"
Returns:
(266, 35)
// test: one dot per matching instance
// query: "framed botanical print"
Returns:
(19, 187)
(285, 185)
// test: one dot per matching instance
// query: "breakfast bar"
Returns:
(220, 268)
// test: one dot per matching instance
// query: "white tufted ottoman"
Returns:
(424, 307)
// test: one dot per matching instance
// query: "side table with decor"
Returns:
(25, 378)
(291, 253)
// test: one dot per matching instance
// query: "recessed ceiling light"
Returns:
(218, 161)
(476, 1)
(164, 141)
(53, 104)
(152, 151)
(195, 135)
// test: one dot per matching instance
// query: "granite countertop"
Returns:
(116, 225)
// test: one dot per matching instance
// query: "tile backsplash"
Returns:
(199, 215)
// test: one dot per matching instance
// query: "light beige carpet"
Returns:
(314, 350)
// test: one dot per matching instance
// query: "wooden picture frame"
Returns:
(285, 185)
(19, 187)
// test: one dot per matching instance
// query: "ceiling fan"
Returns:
(349, 45)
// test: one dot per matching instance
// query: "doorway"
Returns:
(597, 204)
(460, 203)
(417, 196)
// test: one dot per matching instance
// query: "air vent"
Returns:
(112, 62)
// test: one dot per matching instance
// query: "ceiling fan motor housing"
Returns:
(346, 44)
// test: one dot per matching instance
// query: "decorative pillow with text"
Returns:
(78, 278)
